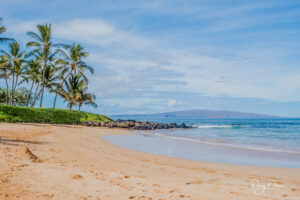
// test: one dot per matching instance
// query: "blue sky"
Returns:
(167, 55)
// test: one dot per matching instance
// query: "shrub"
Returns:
(46, 115)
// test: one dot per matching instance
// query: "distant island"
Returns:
(202, 114)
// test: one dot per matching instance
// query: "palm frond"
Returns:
(33, 44)
(34, 36)
(60, 45)
(2, 29)
(86, 66)
(4, 40)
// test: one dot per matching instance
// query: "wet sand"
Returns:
(204, 151)
(73, 162)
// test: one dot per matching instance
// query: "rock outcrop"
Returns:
(137, 125)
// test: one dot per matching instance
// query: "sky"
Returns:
(169, 55)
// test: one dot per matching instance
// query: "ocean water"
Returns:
(263, 142)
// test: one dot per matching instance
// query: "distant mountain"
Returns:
(203, 114)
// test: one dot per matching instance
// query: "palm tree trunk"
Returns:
(41, 102)
(54, 103)
(32, 105)
(29, 95)
(43, 83)
(6, 98)
(61, 84)
(12, 90)
(16, 83)
(79, 106)
(35, 95)
(70, 106)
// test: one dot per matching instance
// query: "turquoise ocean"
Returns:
(259, 142)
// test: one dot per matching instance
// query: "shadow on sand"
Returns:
(15, 142)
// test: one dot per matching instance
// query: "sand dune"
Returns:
(73, 162)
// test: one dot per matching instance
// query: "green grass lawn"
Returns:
(46, 115)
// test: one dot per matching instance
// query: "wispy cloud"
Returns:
(98, 32)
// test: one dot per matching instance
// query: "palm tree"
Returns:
(51, 78)
(4, 67)
(3, 30)
(21, 95)
(4, 73)
(43, 47)
(15, 59)
(73, 62)
(85, 98)
(71, 91)
(32, 73)
(3, 95)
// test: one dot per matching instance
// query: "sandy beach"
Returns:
(74, 162)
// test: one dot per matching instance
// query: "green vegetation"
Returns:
(46, 67)
(21, 96)
(46, 115)
(75, 92)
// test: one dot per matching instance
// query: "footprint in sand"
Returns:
(194, 182)
(228, 174)
(76, 176)
(174, 190)
(140, 176)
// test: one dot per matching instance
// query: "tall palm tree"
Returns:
(73, 62)
(15, 58)
(51, 78)
(4, 73)
(31, 73)
(84, 97)
(72, 87)
(45, 49)
(3, 30)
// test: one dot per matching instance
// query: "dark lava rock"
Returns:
(137, 125)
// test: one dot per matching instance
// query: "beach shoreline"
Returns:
(41, 161)
(205, 151)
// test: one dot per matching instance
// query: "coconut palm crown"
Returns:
(73, 62)
(15, 60)
(3, 30)
(45, 49)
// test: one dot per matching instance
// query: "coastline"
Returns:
(75, 162)
(204, 151)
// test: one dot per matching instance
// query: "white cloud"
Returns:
(97, 32)
(89, 31)
(83, 29)
(175, 103)
(21, 27)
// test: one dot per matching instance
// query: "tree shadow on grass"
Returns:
(15, 142)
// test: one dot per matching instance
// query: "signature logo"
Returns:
(260, 189)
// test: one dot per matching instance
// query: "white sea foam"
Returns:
(212, 126)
